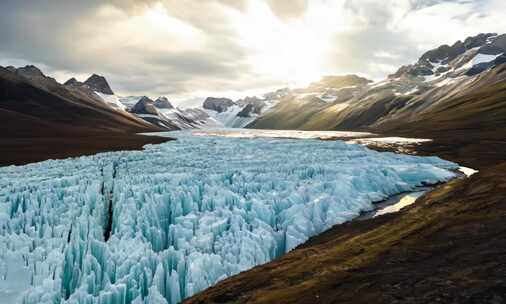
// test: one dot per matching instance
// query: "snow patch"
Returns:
(405, 201)
(483, 58)
(389, 140)
(479, 58)
(467, 171)
(112, 100)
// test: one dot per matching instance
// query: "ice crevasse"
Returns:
(159, 225)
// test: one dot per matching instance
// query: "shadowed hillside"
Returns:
(42, 119)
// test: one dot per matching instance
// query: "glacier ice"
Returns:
(159, 225)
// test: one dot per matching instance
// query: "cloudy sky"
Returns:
(188, 49)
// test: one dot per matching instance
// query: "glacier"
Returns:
(159, 225)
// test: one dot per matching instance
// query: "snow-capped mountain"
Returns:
(333, 102)
(95, 82)
(414, 95)
(112, 100)
(240, 113)
(225, 114)
(160, 113)
(219, 105)
(474, 55)
(34, 104)
(163, 102)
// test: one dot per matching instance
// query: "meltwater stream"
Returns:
(159, 225)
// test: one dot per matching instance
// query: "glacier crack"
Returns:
(107, 191)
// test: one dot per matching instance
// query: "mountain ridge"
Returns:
(42, 119)
(396, 102)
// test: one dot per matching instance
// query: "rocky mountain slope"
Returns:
(95, 82)
(160, 113)
(43, 119)
(41, 101)
(224, 112)
(412, 97)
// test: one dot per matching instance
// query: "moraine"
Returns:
(159, 225)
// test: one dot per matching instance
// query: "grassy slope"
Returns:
(477, 106)
(481, 111)
(290, 114)
(469, 129)
(467, 125)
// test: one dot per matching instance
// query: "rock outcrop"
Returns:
(145, 106)
(218, 104)
(163, 103)
(99, 84)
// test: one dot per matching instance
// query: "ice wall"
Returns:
(159, 225)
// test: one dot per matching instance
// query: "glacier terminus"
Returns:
(159, 225)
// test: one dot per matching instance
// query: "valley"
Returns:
(272, 198)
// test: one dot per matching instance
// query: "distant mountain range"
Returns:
(240, 113)
(106, 111)
(425, 95)
(448, 88)
(33, 105)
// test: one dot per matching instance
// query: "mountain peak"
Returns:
(30, 71)
(11, 68)
(445, 57)
(163, 102)
(145, 105)
(218, 104)
(73, 82)
(146, 99)
(99, 84)
(446, 53)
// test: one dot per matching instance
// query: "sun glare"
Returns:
(294, 49)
